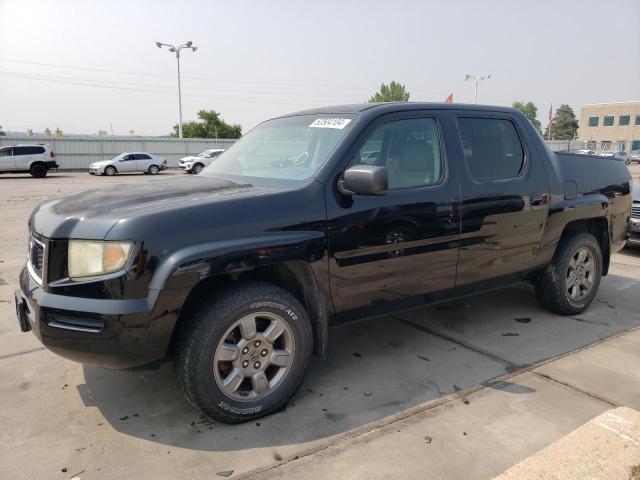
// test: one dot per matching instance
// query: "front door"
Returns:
(127, 163)
(7, 160)
(393, 251)
(505, 198)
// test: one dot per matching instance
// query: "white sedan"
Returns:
(140, 162)
(195, 164)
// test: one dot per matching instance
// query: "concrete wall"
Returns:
(610, 137)
(78, 152)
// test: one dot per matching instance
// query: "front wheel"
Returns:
(243, 355)
(570, 282)
(197, 168)
(110, 171)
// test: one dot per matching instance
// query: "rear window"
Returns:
(27, 150)
(492, 148)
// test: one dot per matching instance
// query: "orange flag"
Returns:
(449, 99)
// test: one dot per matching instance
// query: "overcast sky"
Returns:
(84, 65)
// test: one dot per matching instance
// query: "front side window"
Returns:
(624, 120)
(288, 148)
(492, 148)
(593, 121)
(608, 121)
(409, 149)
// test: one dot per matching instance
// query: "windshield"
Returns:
(289, 148)
(119, 156)
(205, 153)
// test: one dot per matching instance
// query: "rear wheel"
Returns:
(197, 168)
(570, 282)
(38, 170)
(244, 354)
(110, 171)
(153, 170)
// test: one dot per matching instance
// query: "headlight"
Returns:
(89, 258)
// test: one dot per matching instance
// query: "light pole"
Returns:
(176, 50)
(476, 79)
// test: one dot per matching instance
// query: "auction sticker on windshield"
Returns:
(338, 123)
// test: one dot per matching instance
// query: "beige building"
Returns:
(610, 126)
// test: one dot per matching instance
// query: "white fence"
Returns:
(79, 151)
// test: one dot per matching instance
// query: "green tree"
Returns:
(530, 111)
(209, 125)
(394, 92)
(564, 125)
(2, 134)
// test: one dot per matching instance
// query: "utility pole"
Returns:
(176, 50)
(476, 79)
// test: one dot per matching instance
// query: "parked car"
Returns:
(140, 162)
(634, 226)
(195, 163)
(634, 156)
(586, 152)
(620, 154)
(34, 159)
(236, 273)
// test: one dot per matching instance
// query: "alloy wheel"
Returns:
(581, 274)
(254, 356)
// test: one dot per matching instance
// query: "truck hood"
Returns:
(90, 214)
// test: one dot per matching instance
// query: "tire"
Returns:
(200, 360)
(553, 286)
(197, 168)
(110, 171)
(153, 170)
(38, 170)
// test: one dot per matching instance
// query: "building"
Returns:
(610, 126)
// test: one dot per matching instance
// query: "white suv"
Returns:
(195, 164)
(35, 159)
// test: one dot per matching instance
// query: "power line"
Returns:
(123, 72)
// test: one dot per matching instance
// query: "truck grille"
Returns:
(36, 258)
(635, 210)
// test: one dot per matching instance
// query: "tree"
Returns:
(209, 125)
(530, 111)
(394, 92)
(564, 125)
(2, 134)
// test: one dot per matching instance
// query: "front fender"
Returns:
(186, 267)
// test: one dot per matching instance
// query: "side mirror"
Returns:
(364, 180)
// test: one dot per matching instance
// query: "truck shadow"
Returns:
(375, 368)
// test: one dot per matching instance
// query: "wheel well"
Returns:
(37, 162)
(295, 277)
(599, 228)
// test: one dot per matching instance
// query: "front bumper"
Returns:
(185, 166)
(120, 334)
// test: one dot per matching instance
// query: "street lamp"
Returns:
(176, 50)
(476, 79)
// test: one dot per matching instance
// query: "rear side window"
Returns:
(6, 152)
(28, 150)
(142, 156)
(492, 148)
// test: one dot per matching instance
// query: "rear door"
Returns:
(25, 155)
(143, 162)
(505, 198)
(393, 251)
(7, 160)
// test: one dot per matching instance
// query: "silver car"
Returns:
(634, 156)
(622, 155)
(131, 162)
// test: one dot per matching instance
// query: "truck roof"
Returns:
(401, 106)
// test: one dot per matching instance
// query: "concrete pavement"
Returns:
(404, 372)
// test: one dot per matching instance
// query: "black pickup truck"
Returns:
(310, 219)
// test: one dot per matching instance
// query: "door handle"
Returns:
(538, 200)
